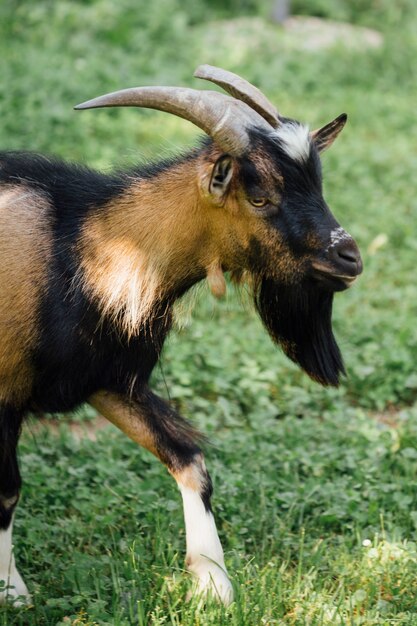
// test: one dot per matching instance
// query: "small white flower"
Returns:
(366, 543)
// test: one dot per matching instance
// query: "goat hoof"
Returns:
(212, 582)
(15, 591)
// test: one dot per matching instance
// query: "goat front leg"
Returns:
(13, 589)
(153, 424)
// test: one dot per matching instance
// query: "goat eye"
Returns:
(258, 202)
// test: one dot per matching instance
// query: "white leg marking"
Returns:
(8, 573)
(204, 551)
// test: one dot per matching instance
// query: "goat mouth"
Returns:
(330, 280)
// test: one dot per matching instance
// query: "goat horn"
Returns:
(222, 117)
(241, 89)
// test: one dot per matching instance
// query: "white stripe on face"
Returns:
(204, 551)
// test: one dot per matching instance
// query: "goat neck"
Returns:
(153, 242)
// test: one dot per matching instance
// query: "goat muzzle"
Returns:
(341, 267)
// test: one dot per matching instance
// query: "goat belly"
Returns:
(72, 363)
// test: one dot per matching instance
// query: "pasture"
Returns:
(314, 489)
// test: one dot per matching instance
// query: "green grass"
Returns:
(303, 475)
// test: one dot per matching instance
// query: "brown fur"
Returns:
(272, 181)
(167, 229)
(126, 417)
(216, 280)
(194, 476)
(130, 418)
(313, 242)
(134, 250)
(25, 249)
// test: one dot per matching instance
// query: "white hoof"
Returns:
(212, 581)
(15, 591)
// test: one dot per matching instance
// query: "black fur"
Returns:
(298, 318)
(174, 436)
(10, 480)
(73, 190)
(79, 352)
(176, 440)
(297, 310)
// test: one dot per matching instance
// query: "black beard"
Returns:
(299, 319)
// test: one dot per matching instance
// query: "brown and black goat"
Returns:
(92, 264)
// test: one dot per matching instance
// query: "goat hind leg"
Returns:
(150, 422)
(14, 589)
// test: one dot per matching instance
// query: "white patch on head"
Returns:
(295, 140)
(337, 235)
(15, 587)
(204, 551)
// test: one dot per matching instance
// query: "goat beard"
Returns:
(299, 319)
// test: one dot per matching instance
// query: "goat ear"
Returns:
(325, 136)
(221, 176)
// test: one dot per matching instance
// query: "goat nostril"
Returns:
(349, 255)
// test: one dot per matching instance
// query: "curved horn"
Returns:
(241, 89)
(222, 117)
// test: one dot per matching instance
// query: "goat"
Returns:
(92, 264)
